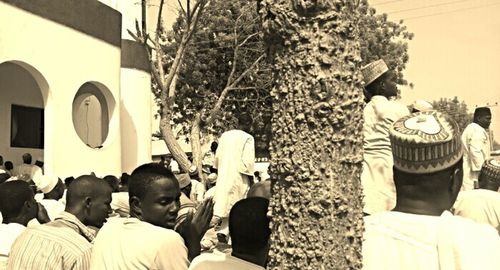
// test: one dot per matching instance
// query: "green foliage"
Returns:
(455, 109)
(381, 38)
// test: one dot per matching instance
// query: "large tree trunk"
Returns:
(316, 150)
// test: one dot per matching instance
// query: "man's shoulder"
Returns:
(221, 261)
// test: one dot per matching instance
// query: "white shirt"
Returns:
(53, 207)
(197, 191)
(395, 240)
(376, 177)
(480, 205)
(235, 160)
(120, 204)
(476, 142)
(8, 234)
(128, 243)
(27, 171)
(221, 261)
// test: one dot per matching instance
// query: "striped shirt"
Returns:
(64, 243)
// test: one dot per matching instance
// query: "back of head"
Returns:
(4, 177)
(85, 186)
(249, 225)
(245, 122)
(489, 177)
(112, 181)
(27, 158)
(260, 189)
(8, 165)
(427, 155)
(13, 196)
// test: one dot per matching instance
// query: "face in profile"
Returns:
(161, 203)
(100, 208)
(485, 121)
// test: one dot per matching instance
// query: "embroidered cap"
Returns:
(373, 70)
(425, 142)
(184, 179)
(491, 170)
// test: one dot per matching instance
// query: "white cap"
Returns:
(47, 183)
(422, 106)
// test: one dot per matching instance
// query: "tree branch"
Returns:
(182, 8)
(215, 110)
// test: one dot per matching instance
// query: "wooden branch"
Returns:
(158, 21)
(182, 8)
(215, 110)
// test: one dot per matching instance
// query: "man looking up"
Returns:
(147, 240)
(249, 231)
(380, 112)
(18, 207)
(476, 141)
(66, 242)
(420, 233)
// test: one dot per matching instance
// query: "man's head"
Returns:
(154, 195)
(184, 183)
(113, 182)
(482, 117)
(427, 155)
(244, 122)
(249, 227)
(379, 80)
(489, 177)
(213, 147)
(17, 202)
(51, 186)
(89, 198)
(8, 165)
(27, 158)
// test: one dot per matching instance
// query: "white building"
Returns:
(74, 88)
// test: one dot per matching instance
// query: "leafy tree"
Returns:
(381, 38)
(456, 109)
(317, 123)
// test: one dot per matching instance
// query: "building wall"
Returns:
(17, 86)
(66, 52)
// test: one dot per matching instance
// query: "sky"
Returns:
(455, 51)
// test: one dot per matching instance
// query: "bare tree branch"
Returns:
(158, 22)
(182, 8)
(215, 110)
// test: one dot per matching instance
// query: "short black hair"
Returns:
(249, 225)
(68, 180)
(144, 175)
(8, 165)
(27, 158)
(13, 196)
(4, 177)
(481, 111)
(112, 181)
(83, 186)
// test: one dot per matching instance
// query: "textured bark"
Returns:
(172, 144)
(316, 150)
(195, 140)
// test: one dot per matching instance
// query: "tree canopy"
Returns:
(455, 109)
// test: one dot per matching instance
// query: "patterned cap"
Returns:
(373, 70)
(491, 170)
(425, 142)
(184, 179)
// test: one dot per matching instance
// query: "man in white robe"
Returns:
(420, 233)
(476, 141)
(234, 160)
(482, 205)
(380, 112)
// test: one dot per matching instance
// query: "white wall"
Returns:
(18, 87)
(66, 59)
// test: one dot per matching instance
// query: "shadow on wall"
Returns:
(128, 141)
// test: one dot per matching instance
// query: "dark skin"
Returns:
(385, 86)
(57, 192)
(431, 198)
(484, 121)
(160, 206)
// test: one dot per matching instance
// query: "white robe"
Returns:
(234, 160)
(376, 178)
(480, 205)
(476, 142)
(395, 241)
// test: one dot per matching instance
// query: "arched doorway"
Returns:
(24, 93)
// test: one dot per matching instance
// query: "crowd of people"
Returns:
(431, 201)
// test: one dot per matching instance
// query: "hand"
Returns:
(195, 226)
(42, 215)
